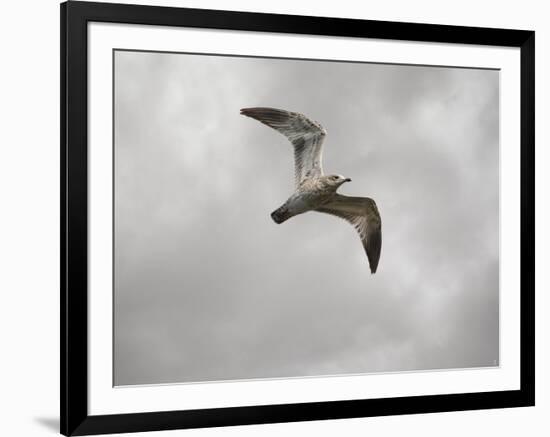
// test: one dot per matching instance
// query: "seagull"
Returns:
(316, 191)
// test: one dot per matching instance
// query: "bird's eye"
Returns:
(335, 178)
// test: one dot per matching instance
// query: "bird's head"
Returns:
(335, 180)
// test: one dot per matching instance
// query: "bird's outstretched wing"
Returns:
(305, 135)
(363, 214)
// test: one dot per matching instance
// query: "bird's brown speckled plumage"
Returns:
(314, 190)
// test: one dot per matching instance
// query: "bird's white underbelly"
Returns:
(303, 202)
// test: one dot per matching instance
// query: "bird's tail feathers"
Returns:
(281, 214)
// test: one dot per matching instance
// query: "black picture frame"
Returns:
(75, 419)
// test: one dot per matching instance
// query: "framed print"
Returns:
(270, 218)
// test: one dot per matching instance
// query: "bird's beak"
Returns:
(347, 180)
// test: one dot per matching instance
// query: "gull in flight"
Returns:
(316, 191)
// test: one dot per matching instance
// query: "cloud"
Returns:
(207, 287)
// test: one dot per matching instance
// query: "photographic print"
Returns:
(281, 218)
(273, 218)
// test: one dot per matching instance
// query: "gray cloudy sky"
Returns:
(207, 287)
